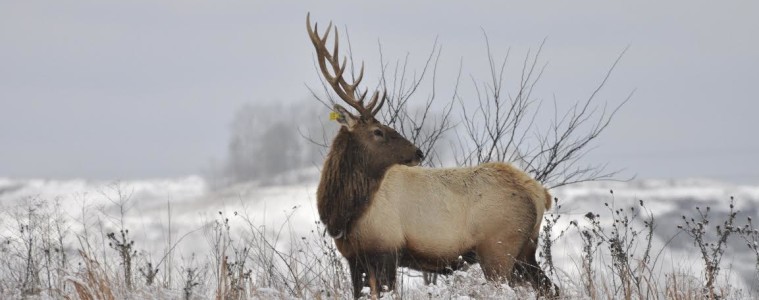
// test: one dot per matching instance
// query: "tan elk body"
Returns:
(442, 213)
(384, 211)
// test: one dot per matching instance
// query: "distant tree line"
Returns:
(268, 139)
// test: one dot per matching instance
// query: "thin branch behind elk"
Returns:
(502, 126)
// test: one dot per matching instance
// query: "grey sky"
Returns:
(99, 89)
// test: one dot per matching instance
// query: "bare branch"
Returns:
(502, 128)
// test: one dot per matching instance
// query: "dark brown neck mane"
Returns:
(346, 184)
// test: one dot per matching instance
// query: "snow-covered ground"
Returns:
(163, 211)
(667, 201)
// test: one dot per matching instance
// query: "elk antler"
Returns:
(346, 91)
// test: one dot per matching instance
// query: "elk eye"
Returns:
(379, 133)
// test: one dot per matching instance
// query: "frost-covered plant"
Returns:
(711, 245)
(628, 247)
(750, 235)
(547, 239)
(33, 250)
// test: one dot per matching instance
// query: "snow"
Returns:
(187, 204)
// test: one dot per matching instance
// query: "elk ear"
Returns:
(344, 117)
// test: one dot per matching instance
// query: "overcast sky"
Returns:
(98, 89)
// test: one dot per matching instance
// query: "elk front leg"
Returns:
(358, 271)
(381, 273)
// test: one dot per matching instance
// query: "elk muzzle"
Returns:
(417, 160)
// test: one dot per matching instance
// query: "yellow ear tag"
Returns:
(333, 116)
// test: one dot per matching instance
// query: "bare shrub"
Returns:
(34, 249)
(24, 264)
(547, 239)
(219, 239)
(629, 249)
(750, 235)
(148, 272)
(426, 124)
(711, 244)
(502, 126)
(192, 279)
(298, 265)
(121, 242)
(123, 246)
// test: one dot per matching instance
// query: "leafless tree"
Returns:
(421, 124)
(503, 126)
(264, 142)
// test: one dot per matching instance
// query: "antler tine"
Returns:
(371, 107)
(346, 91)
(363, 96)
(342, 88)
(314, 33)
(350, 88)
(360, 77)
(356, 82)
(382, 102)
(373, 101)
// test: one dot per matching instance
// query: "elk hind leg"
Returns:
(497, 258)
(527, 269)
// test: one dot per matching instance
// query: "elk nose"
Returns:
(419, 154)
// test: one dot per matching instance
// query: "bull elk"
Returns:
(384, 211)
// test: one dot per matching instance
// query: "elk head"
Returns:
(368, 142)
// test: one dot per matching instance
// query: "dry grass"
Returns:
(250, 261)
(92, 281)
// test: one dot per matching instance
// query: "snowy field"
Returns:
(165, 213)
